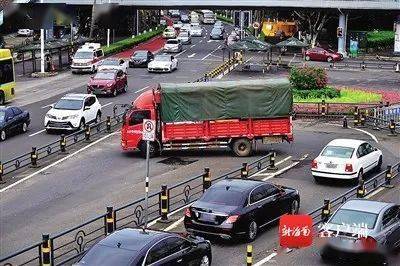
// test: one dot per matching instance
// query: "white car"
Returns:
(25, 32)
(193, 24)
(169, 32)
(73, 111)
(184, 37)
(196, 31)
(177, 25)
(173, 46)
(185, 27)
(346, 159)
(113, 63)
(163, 63)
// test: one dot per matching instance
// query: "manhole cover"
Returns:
(177, 161)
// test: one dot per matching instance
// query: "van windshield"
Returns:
(83, 55)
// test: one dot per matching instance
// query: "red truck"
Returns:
(208, 115)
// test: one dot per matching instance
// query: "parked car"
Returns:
(239, 208)
(185, 18)
(217, 34)
(346, 159)
(109, 82)
(185, 27)
(163, 63)
(140, 58)
(130, 246)
(72, 112)
(113, 63)
(320, 54)
(169, 32)
(184, 37)
(196, 31)
(177, 25)
(13, 120)
(173, 46)
(363, 231)
(25, 32)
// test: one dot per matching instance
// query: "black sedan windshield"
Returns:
(68, 104)
(222, 196)
(140, 54)
(104, 255)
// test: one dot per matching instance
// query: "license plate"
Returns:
(330, 165)
(207, 217)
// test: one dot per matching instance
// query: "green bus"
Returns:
(7, 76)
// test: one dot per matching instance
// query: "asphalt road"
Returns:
(195, 60)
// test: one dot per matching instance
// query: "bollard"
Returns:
(205, 77)
(206, 179)
(1, 173)
(361, 191)
(323, 108)
(108, 124)
(46, 250)
(34, 156)
(356, 116)
(363, 66)
(345, 125)
(326, 210)
(164, 203)
(244, 171)
(397, 68)
(388, 175)
(387, 104)
(110, 221)
(272, 162)
(87, 133)
(362, 120)
(249, 257)
(63, 143)
(392, 128)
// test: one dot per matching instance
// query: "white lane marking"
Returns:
(283, 170)
(57, 162)
(374, 193)
(168, 215)
(200, 41)
(266, 259)
(46, 106)
(193, 45)
(107, 104)
(145, 88)
(278, 163)
(34, 134)
(180, 53)
(174, 224)
(192, 55)
(210, 53)
(363, 131)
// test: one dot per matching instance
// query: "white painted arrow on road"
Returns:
(192, 55)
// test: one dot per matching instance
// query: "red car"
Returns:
(110, 82)
(320, 54)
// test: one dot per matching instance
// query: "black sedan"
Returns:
(13, 120)
(140, 58)
(135, 247)
(239, 207)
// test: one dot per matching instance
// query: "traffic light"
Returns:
(339, 32)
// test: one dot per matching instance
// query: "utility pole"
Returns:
(241, 24)
(93, 19)
(137, 22)
(108, 30)
(41, 47)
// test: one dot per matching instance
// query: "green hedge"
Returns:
(377, 39)
(130, 42)
(325, 93)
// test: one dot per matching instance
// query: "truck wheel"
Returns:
(153, 149)
(242, 147)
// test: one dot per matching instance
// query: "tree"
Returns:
(312, 21)
(93, 20)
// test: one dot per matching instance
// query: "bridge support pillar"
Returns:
(342, 33)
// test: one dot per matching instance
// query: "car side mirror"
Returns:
(86, 108)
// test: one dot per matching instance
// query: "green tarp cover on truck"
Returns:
(225, 100)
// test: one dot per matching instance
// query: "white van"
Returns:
(87, 58)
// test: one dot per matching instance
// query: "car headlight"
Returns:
(109, 85)
(72, 116)
(51, 116)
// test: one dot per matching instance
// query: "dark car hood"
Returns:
(102, 82)
(206, 206)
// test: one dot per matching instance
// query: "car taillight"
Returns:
(348, 167)
(232, 219)
(368, 243)
(188, 213)
(314, 164)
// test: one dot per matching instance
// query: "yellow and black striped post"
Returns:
(361, 191)
(63, 143)
(34, 157)
(388, 175)
(87, 133)
(46, 250)
(244, 171)
(323, 108)
(362, 119)
(272, 161)
(110, 221)
(392, 128)
(345, 124)
(356, 116)
(326, 210)
(249, 255)
(206, 179)
(1, 173)
(108, 124)
(164, 203)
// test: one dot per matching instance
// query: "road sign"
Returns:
(256, 25)
(149, 130)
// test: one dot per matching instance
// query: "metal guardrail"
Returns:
(67, 246)
(31, 158)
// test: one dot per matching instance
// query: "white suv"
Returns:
(73, 111)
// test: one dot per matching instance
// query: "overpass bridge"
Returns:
(239, 4)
